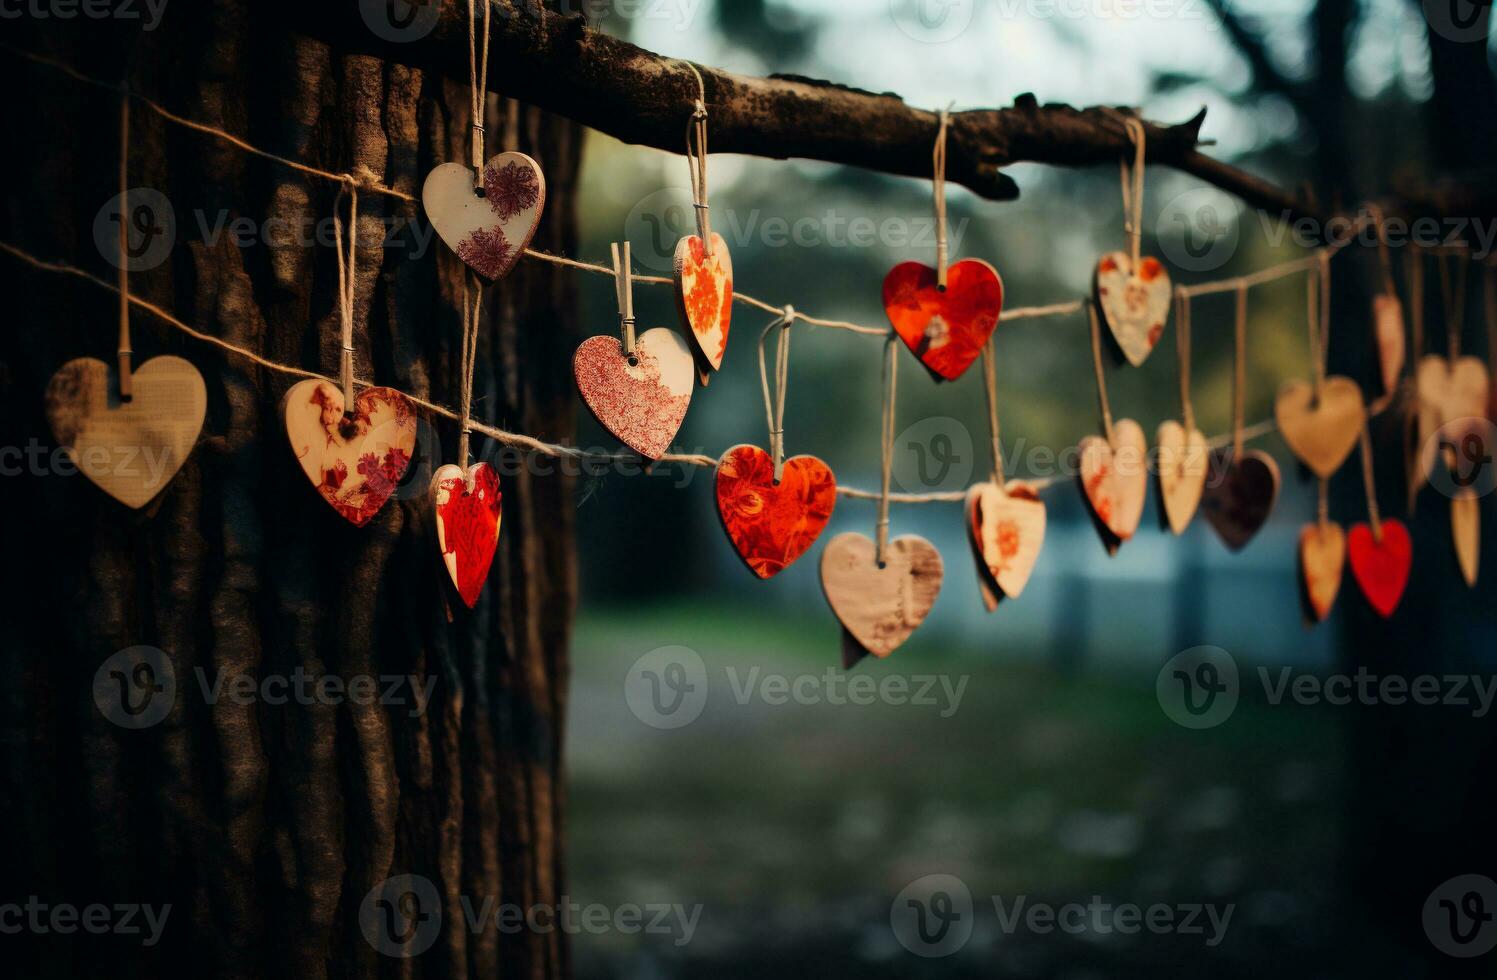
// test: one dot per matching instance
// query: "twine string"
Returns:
(696, 159)
(1322, 503)
(478, 86)
(1489, 303)
(1416, 301)
(886, 447)
(774, 401)
(1132, 179)
(1384, 257)
(1096, 330)
(938, 193)
(1239, 370)
(472, 314)
(1182, 352)
(990, 389)
(1453, 297)
(623, 287)
(347, 269)
(1369, 483)
(1317, 319)
(123, 349)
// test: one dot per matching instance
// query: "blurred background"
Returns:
(1058, 773)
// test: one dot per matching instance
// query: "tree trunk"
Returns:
(266, 825)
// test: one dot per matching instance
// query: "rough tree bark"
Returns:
(263, 825)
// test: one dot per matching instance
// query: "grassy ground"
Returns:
(795, 825)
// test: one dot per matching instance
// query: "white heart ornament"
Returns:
(1007, 530)
(880, 605)
(1135, 304)
(132, 449)
(488, 232)
(1181, 463)
(1114, 479)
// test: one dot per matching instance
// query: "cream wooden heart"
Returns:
(491, 232)
(1465, 532)
(1321, 432)
(704, 295)
(1007, 530)
(1322, 558)
(1387, 316)
(1135, 306)
(355, 460)
(1181, 462)
(641, 398)
(131, 450)
(1452, 393)
(880, 606)
(1115, 480)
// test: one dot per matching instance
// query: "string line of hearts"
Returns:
(364, 179)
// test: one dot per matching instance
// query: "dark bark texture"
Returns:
(265, 825)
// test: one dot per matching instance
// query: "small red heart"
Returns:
(946, 328)
(772, 525)
(1381, 568)
(467, 524)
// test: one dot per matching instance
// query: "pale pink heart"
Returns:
(1135, 303)
(641, 398)
(1181, 462)
(1007, 530)
(1115, 479)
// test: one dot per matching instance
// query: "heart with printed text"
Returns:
(946, 327)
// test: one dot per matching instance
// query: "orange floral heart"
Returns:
(945, 328)
(772, 524)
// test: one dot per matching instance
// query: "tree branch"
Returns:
(556, 62)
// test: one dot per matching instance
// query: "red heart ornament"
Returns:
(641, 398)
(467, 524)
(880, 605)
(947, 328)
(1007, 530)
(491, 232)
(704, 295)
(771, 525)
(1381, 567)
(355, 461)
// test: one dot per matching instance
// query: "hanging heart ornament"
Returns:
(1135, 304)
(772, 524)
(1322, 557)
(1181, 463)
(1381, 565)
(129, 449)
(491, 230)
(355, 460)
(1387, 319)
(880, 606)
(1320, 428)
(1115, 478)
(468, 516)
(704, 295)
(946, 328)
(1007, 529)
(1240, 494)
(641, 398)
